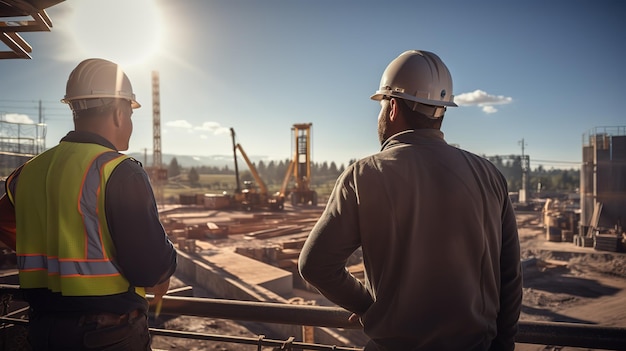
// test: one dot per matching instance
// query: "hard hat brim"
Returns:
(133, 103)
(381, 93)
(377, 96)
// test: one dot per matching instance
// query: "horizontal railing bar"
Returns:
(572, 334)
(267, 312)
(248, 340)
(261, 340)
(542, 333)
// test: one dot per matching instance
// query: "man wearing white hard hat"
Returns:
(435, 225)
(89, 242)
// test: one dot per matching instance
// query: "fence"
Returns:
(542, 333)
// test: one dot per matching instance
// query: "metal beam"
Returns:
(19, 48)
(9, 28)
(267, 312)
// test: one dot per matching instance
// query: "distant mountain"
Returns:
(197, 161)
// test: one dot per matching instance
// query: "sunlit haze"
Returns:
(545, 72)
(127, 32)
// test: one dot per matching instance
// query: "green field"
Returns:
(219, 184)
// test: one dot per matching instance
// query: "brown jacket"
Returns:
(439, 242)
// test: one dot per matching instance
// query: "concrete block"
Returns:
(252, 272)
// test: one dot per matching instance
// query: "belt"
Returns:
(105, 319)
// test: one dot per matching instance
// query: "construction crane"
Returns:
(300, 168)
(249, 198)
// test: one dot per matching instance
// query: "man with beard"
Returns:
(435, 225)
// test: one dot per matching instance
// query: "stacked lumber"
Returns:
(257, 253)
(216, 231)
(170, 224)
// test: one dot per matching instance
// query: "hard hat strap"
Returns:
(430, 111)
(84, 104)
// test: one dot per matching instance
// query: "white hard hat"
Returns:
(417, 76)
(94, 79)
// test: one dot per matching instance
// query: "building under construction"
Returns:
(603, 182)
(18, 143)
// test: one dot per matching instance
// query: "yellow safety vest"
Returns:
(63, 240)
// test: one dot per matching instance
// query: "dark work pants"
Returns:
(60, 332)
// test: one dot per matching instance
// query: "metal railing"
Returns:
(259, 341)
(541, 333)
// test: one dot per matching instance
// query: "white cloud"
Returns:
(213, 127)
(482, 99)
(18, 118)
(489, 109)
(179, 123)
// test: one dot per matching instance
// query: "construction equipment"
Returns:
(249, 198)
(300, 168)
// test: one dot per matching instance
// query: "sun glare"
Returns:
(127, 32)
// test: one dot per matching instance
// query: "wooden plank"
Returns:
(271, 233)
(288, 254)
(294, 243)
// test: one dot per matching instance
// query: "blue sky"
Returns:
(542, 71)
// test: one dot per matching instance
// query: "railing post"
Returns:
(308, 334)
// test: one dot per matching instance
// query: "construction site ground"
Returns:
(562, 282)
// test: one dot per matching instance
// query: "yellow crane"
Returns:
(249, 198)
(300, 168)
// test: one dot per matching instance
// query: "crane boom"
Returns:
(253, 170)
(249, 198)
(232, 135)
(283, 188)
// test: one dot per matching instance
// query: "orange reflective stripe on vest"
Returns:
(63, 239)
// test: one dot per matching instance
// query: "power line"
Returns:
(560, 162)
(29, 101)
(18, 100)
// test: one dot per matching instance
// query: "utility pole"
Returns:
(525, 166)
(37, 147)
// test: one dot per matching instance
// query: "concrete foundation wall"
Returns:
(212, 279)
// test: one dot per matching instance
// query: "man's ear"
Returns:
(117, 116)
(393, 109)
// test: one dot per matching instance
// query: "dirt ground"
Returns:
(562, 283)
(568, 283)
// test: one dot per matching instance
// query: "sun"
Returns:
(126, 32)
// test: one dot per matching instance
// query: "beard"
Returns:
(383, 124)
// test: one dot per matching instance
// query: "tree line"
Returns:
(273, 172)
(539, 179)
(323, 173)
